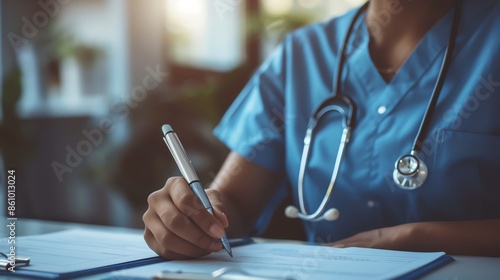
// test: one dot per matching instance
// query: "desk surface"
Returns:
(464, 267)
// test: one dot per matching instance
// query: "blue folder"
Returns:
(82, 253)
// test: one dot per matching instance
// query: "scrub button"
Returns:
(371, 203)
(381, 110)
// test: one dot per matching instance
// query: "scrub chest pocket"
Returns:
(468, 165)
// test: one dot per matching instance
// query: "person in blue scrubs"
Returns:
(392, 62)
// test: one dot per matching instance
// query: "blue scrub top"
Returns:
(267, 122)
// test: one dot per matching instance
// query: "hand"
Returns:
(177, 226)
(401, 237)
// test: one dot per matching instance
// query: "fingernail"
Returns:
(216, 231)
(339, 245)
(225, 217)
(215, 246)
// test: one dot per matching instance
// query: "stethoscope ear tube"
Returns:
(347, 113)
(340, 103)
(320, 213)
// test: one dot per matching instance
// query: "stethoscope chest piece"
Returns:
(410, 172)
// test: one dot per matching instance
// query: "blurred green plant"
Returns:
(66, 47)
(11, 93)
(262, 24)
(206, 96)
(10, 130)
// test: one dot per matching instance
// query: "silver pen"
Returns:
(187, 171)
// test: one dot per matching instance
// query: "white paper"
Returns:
(292, 261)
(76, 250)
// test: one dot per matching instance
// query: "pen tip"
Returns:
(231, 254)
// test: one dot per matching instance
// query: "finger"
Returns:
(338, 243)
(160, 250)
(352, 239)
(167, 244)
(162, 204)
(351, 243)
(218, 206)
(221, 217)
(342, 244)
(190, 205)
(181, 225)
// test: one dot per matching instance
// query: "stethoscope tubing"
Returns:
(348, 117)
(427, 118)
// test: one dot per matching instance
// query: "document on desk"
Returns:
(72, 253)
(292, 261)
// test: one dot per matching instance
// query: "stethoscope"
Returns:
(410, 171)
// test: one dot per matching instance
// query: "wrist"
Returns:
(420, 236)
(411, 236)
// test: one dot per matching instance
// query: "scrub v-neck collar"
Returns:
(430, 50)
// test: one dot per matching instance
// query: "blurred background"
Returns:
(87, 84)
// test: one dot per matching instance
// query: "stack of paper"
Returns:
(74, 253)
(287, 261)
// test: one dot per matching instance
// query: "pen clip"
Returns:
(180, 157)
(224, 273)
(18, 261)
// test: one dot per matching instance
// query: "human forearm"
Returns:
(481, 237)
(245, 189)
